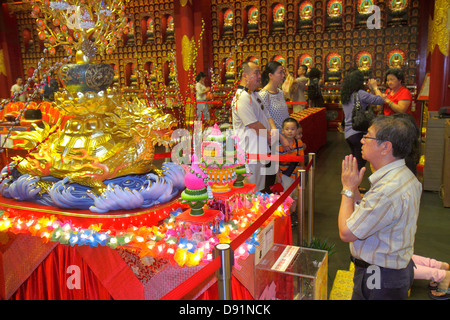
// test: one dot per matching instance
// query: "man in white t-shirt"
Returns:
(17, 87)
(252, 122)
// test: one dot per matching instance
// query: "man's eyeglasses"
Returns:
(365, 137)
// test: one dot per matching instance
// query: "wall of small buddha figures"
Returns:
(332, 35)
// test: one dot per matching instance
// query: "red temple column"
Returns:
(184, 33)
(10, 56)
(188, 18)
(438, 75)
(439, 62)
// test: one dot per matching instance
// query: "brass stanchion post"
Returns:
(301, 205)
(223, 274)
(312, 158)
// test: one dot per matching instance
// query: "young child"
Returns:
(293, 132)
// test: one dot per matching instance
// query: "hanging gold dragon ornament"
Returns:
(101, 157)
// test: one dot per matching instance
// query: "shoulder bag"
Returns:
(361, 119)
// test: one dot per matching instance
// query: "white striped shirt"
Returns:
(385, 221)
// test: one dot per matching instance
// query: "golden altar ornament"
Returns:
(99, 154)
(106, 138)
(90, 26)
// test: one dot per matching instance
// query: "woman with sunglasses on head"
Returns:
(353, 86)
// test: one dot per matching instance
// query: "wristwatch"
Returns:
(348, 193)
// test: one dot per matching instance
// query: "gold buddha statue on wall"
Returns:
(398, 5)
(228, 19)
(335, 10)
(397, 13)
(253, 20)
(334, 14)
(396, 62)
(170, 28)
(305, 12)
(333, 70)
(229, 71)
(278, 17)
(150, 30)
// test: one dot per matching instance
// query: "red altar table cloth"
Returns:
(314, 124)
(33, 270)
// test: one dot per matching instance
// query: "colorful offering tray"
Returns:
(117, 220)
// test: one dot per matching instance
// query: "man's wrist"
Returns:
(348, 193)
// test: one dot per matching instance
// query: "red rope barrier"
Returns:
(184, 288)
(276, 157)
(221, 102)
(250, 157)
(255, 225)
(295, 103)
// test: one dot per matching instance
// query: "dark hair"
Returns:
(290, 120)
(314, 73)
(350, 70)
(396, 72)
(19, 77)
(412, 159)
(304, 67)
(271, 68)
(199, 76)
(399, 131)
(353, 81)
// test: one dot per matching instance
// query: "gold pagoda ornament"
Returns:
(438, 33)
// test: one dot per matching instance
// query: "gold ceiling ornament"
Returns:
(184, 2)
(438, 34)
(90, 26)
(2, 63)
(187, 47)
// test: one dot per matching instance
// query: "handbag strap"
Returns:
(357, 104)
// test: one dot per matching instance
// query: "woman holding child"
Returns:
(272, 78)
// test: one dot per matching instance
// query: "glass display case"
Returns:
(292, 273)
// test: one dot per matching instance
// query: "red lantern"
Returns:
(40, 23)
